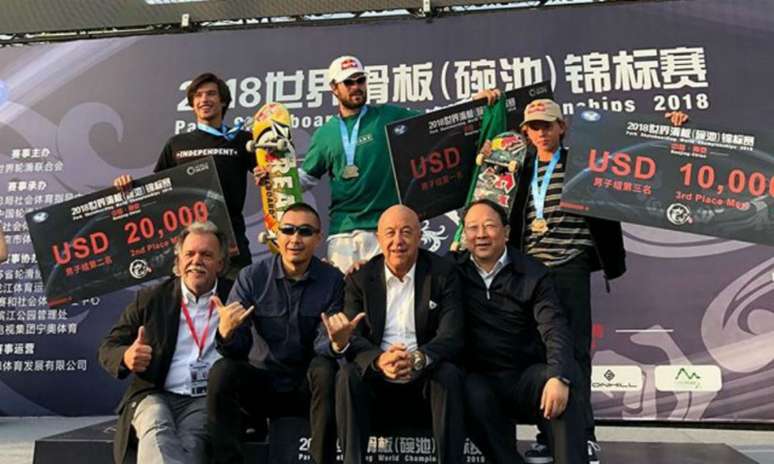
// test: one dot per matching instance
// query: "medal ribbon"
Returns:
(198, 341)
(224, 131)
(349, 141)
(539, 190)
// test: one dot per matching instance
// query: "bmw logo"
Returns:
(591, 116)
(40, 216)
(400, 129)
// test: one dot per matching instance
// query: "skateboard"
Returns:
(274, 151)
(496, 175)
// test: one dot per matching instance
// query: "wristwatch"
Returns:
(418, 361)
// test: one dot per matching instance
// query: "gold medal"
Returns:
(539, 226)
(350, 172)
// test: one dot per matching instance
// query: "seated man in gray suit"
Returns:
(403, 350)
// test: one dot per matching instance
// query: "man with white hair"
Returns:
(165, 340)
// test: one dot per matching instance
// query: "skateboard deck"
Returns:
(496, 176)
(274, 151)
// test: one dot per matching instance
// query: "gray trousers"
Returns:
(171, 429)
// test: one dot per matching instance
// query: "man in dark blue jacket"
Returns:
(269, 366)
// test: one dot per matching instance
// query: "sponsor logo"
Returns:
(40, 216)
(613, 378)
(678, 214)
(538, 91)
(348, 64)
(366, 138)
(196, 168)
(139, 268)
(591, 116)
(400, 129)
(538, 107)
(706, 378)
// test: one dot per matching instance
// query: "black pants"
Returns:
(235, 387)
(495, 402)
(438, 393)
(572, 281)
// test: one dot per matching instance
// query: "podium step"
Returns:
(93, 445)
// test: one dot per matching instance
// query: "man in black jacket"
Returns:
(519, 349)
(166, 338)
(403, 352)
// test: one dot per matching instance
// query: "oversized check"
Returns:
(109, 240)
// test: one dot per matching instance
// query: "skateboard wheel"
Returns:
(263, 238)
(282, 144)
(480, 159)
(513, 166)
(250, 146)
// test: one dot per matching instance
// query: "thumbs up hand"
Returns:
(340, 328)
(138, 356)
(231, 316)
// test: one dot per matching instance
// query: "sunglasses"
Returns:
(303, 230)
(350, 82)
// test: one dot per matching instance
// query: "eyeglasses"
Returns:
(475, 228)
(303, 230)
(350, 82)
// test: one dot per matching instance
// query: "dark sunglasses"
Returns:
(304, 230)
(350, 82)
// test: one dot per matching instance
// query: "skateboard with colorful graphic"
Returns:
(496, 175)
(274, 152)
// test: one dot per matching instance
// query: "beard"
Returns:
(348, 103)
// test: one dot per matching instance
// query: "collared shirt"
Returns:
(399, 324)
(488, 277)
(287, 314)
(186, 351)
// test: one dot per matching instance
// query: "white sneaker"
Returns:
(538, 454)
(593, 448)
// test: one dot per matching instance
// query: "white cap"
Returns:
(344, 67)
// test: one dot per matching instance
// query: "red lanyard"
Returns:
(199, 342)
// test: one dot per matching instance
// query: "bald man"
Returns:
(404, 349)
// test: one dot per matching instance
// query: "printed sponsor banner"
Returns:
(75, 115)
(612, 378)
(433, 154)
(290, 444)
(109, 240)
(636, 168)
(688, 378)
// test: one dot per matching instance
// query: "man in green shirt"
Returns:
(352, 149)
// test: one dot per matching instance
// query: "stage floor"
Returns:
(620, 445)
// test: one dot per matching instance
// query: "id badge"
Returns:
(199, 371)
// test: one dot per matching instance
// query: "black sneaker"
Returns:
(593, 448)
(538, 454)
